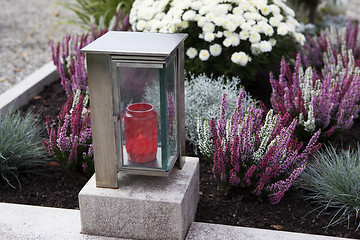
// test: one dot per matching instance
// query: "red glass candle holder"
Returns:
(140, 132)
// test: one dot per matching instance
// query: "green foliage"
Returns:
(333, 182)
(101, 14)
(20, 144)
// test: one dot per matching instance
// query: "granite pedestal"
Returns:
(143, 207)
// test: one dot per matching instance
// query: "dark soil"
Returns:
(56, 187)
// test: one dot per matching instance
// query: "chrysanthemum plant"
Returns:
(71, 144)
(247, 150)
(333, 40)
(328, 103)
(228, 37)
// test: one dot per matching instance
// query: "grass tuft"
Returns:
(333, 183)
(20, 144)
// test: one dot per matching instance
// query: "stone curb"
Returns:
(21, 93)
(33, 222)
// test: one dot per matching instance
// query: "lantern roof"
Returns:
(135, 43)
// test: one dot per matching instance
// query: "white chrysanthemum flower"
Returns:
(227, 33)
(227, 42)
(191, 52)
(268, 30)
(235, 40)
(201, 21)
(288, 11)
(196, 5)
(155, 25)
(209, 37)
(210, 16)
(148, 13)
(219, 34)
(244, 35)
(204, 55)
(283, 29)
(204, 9)
(219, 21)
(237, 11)
(246, 26)
(240, 58)
(272, 42)
(265, 10)
(184, 24)
(257, 28)
(238, 20)
(221, 9)
(164, 30)
(172, 29)
(275, 21)
(229, 25)
(300, 38)
(254, 37)
(265, 46)
(208, 27)
(274, 9)
(141, 25)
(215, 50)
(189, 15)
(244, 6)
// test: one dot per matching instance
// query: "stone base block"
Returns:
(143, 207)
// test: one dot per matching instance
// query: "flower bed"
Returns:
(55, 187)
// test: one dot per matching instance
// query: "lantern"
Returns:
(137, 103)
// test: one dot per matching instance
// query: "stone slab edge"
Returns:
(21, 93)
(19, 221)
(205, 231)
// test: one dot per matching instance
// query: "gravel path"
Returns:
(27, 26)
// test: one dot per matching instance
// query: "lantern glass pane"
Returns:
(171, 96)
(139, 100)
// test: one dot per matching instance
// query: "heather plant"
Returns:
(226, 37)
(247, 150)
(328, 103)
(20, 144)
(70, 63)
(334, 40)
(99, 14)
(71, 145)
(332, 182)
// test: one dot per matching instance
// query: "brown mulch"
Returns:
(53, 186)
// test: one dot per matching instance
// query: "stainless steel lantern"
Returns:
(136, 84)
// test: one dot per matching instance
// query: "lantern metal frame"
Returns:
(103, 57)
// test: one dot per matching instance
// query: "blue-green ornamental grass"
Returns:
(20, 144)
(333, 182)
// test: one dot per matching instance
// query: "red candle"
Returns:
(141, 132)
